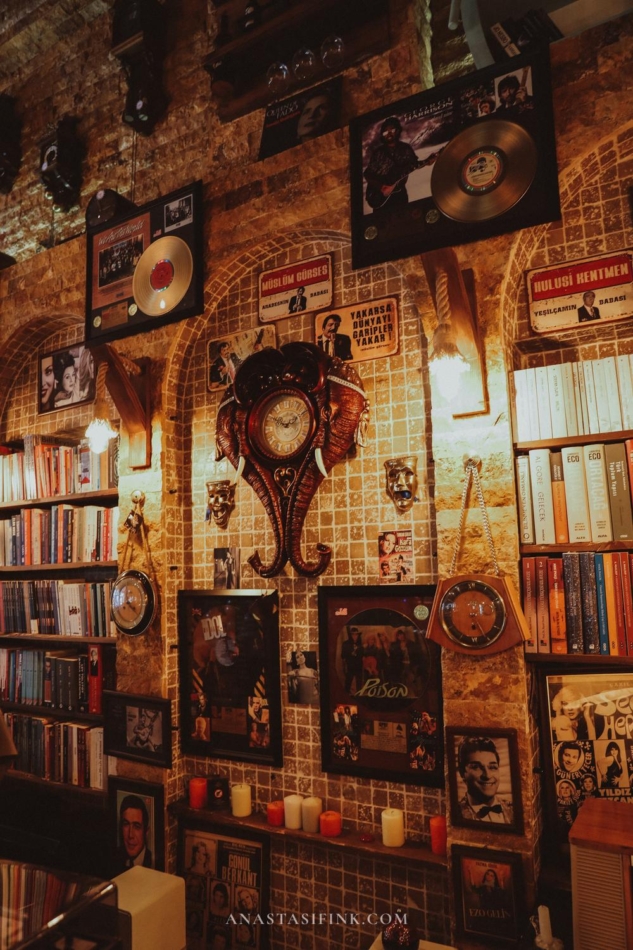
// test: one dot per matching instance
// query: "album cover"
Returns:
(306, 115)
(466, 160)
(145, 269)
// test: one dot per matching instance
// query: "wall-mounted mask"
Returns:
(402, 481)
(221, 501)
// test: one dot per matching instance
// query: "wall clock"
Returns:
(289, 416)
(133, 602)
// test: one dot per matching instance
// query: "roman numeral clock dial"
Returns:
(282, 424)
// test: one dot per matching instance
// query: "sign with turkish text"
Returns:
(364, 331)
(295, 288)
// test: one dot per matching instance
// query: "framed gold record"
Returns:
(484, 171)
(162, 275)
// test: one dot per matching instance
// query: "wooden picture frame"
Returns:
(144, 833)
(489, 894)
(484, 779)
(66, 378)
(381, 705)
(230, 689)
(137, 728)
(226, 872)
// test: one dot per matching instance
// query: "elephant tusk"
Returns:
(318, 458)
(240, 467)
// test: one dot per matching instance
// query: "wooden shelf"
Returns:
(79, 498)
(66, 566)
(598, 438)
(49, 711)
(16, 776)
(55, 638)
(580, 659)
(598, 547)
(348, 840)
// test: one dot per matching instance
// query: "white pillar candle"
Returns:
(392, 828)
(292, 811)
(311, 808)
(544, 924)
(241, 806)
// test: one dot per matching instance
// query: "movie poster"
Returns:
(364, 331)
(395, 556)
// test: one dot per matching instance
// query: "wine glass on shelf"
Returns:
(278, 79)
(304, 64)
(333, 52)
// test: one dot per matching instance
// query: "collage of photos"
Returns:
(223, 885)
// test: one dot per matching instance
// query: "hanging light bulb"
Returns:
(446, 364)
(100, 430)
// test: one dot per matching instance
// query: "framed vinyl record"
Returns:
(145, 270)
(463, 161)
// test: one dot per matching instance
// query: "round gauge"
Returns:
(133, 602)
(472, 614)
(281, 423)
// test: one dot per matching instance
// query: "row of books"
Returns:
(31, 897)
(69, 752)
(47, 467)
(62, 534)
(58, 608)
(581, 602)
(568, 399)
(580, 494)
(60, 679)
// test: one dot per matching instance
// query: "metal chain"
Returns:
(472, 473)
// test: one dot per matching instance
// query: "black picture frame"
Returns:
(409, 220)
(485, 909)
(470, 744)
(52, 386)
(381, 717)
(114, 251)
(137, 727)
(152, 797)
(214, 882)
(230, 710)
(306, 115)
(566, 784)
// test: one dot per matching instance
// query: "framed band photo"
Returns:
(489, 895)
(137, 728)
(484, 778)
(381, 700)
(230, 700)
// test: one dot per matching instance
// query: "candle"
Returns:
(292, 811)
(392, 828)
(198, 793)
(544, 924)
(311, 808)
(437, 824)
(330, 823)
(275, 813)
(241, 801)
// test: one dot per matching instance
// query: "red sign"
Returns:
(578, 278)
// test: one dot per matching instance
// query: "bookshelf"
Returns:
(569, 441)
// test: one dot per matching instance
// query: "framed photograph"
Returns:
(460, 162)
(489, 896)
(484, 778)
(137, 727)
(395, 556)
(364, 331)
(146, 269)
(586, 741)
(226, 568)
(137, 821)
(226, 355)
(307, 115)
(230, 700)
(303, 676)
(381, 696)
(227, 886)
(295, 288)
(66, 378)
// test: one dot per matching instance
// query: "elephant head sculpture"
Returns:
(290, 415)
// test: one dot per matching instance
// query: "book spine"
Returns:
(95, 679)
(524, 495)
(619, 491)
(589, 603)
(571, 579)
(543, 503)
(598, 493)
(528, 570)
(612, 393)
(532, 401)
(619, 605)
(601, 600)
(580, 396)
(627, 599)
(569, 400)
(542, 403)
(542, 606)
(557, 619)
(576, 495)
(558, 497)
(602, 396)
(590, 392)
(556, 402)
(522, 414)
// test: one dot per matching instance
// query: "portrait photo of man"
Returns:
(331, 341)
(479, 777)
(298, 301)
(588, 311)
(135, 835)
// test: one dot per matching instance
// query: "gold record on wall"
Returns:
(484, 171)
(163, 275)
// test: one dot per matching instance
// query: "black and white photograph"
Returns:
(119, 261)
(178, 213)
(137, 727)
(66, 378)
(303, 676)
(225, 356)
(484, 778)
(226, 568)
(136, 810)
(307, 115)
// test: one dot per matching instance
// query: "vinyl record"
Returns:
(484, 171)
(162, 276)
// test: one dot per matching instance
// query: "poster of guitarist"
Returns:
(390, 165)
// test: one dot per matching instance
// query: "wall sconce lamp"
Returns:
(128, 384)
(456, 357)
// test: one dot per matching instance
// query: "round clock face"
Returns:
(280, 425)
(472, 614)
(133, 602)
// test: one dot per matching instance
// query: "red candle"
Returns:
(275, 813)
(198, 793)
(437, 824)
(331, 823)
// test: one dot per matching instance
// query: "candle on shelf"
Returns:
(437, 825)
(311, 808)
(241, 801)
(544, 923)
(392, 828)
(330, 823)
(292, 811)
(197, 793)
(275, 813)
